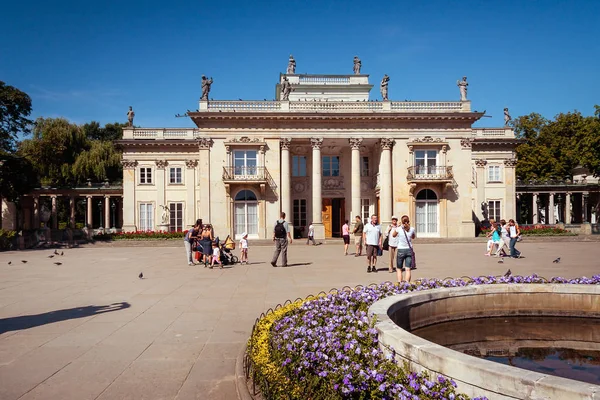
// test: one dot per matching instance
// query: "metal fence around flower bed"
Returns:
(261, 386)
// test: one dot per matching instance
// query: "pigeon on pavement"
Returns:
(24, 261)
(556, 261)
(507, 274)
(500, 261)
(58, 263)
(51, 255)
(62, 253)
(55, 252)
(10, 262)
(141, 275)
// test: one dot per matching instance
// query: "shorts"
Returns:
(358, 240)
(372, 250)
(404, 259)
(346, 239)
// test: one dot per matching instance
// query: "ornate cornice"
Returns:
(285, 143)
(466, 143)
(246, 139)
(316, 143)
(355, 143)
(204, 143)
(161, 164)
(481, 163)
(428, 139)
(510, 162)
(386, 143)
(129, 164)
(191, 163)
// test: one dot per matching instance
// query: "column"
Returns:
(89, 216)
(535, 218)
(190, 187)
(286, 198)
(385, 173)
(568, 208)
(129, 209)
(161, 165)
(54, 213)
(203, 194)
(480, 205)
(551, 219)
(510, 201)
(317, 202)
(72, 215)
(36, 212)
(584, 207)
(355, 178)
(107, 223)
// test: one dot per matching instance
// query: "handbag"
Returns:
(386, 244)
(413, 264)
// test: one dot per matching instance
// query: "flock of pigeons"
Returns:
(56, 253)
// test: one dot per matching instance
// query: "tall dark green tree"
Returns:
(15, 107)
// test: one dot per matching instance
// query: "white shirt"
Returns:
(311, 230)
(372, 234)
(216, 252)
(504, 232)
(392, 241)
(404, 240)
(244, 243)
(513, 231)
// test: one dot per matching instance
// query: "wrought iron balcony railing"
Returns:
(430, 173)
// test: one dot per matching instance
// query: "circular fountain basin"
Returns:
(396, 316)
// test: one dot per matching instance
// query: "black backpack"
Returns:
(280, 230)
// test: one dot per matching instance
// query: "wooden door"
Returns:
(326, 216)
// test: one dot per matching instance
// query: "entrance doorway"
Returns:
(333, 214)
(245, 214)
(427, 213)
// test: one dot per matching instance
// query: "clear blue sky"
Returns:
(88, 60)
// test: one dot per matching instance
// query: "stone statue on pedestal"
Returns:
(130, 115)
(384, 87)
(507, 117)
(286, 88)
(164, 219)
(291, 68)
(357, 65)
(462, 86)
(206, 83)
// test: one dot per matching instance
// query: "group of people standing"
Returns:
(502, 239)
(397, 240)
(202, 246)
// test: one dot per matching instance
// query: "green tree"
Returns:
(109, 132)
(588, 143)
(101, 161)
(17, 176)
(15, 107)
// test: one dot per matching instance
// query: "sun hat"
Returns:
(394, 217)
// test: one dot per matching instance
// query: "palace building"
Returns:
(323, 155)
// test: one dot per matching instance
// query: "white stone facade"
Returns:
(324, 156)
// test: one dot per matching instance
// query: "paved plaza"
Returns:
(90, 329)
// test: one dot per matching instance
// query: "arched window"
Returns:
(245, 195)
(426, 194)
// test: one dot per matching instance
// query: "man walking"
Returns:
(281, 234)
(358, 235)
(372, 238)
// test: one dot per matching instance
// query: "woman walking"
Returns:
(514, 232)
(405, 260)
(392, 243)
(206, 238)
(346, 236)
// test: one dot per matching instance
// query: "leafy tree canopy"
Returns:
(15, 107)
(17, 176)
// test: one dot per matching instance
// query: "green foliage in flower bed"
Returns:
(325, 347)
(6, 239)
(538, 230)
(140, 235)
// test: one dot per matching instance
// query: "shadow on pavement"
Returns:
(31, 321)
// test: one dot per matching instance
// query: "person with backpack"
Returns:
(281, 234)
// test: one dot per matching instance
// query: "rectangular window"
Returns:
(364, 166)
(494, 209)
(331, 166)
(426, 162)
(176, 221)
(365, 210)
(175, 175)
(300, 212)
(494, 173)
(146, 217)
(245, 162)
(145, 175)
(298, 165)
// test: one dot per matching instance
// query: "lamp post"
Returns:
(113, 206)
(100, 213)
(85, 213)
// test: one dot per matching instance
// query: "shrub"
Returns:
(6, 239)
(140, 235)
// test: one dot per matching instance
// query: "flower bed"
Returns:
(538, 230)
(140, 235)
(326, 347)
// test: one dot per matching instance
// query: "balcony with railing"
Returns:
(247, 175)
(159, 133)
(430, 174)
(493, 133)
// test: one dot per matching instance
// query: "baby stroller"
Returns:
(226, 256)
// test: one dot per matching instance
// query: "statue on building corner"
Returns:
(507, 116)
(462, 86)
(357, 65)
(384, 87)
(286, 89)
(130, 115)
(291, 68)
(206, 83)
(165, 215)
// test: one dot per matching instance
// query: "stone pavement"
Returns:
(90, 329)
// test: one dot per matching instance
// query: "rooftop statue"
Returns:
(286, 88)
(462, 86)
(507, 117)
(206, 83)
(357, 65)
(291, 68)
(384, 87)
(130, 115)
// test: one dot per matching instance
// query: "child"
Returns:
(490, 242)
(311, 235)
(244, 248)
(216, 256)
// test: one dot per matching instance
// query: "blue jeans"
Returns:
(513, 251)
(404, 255)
